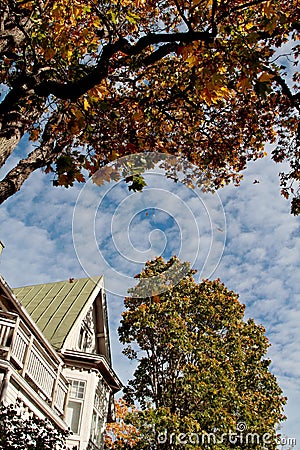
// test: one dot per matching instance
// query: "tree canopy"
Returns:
(89, 81)
(202, 368)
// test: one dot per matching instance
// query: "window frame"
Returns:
(75, 398)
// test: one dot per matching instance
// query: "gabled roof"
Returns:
(55, 307)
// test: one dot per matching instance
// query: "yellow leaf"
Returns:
(268, 9)
(114, 155)
(77, 12)
(192, 60)
(265, 77)
(86, 104)
(69, 54)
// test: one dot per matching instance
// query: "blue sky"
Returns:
(245, 235)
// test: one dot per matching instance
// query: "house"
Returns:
(55, 356)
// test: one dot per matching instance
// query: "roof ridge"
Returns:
(93, 278)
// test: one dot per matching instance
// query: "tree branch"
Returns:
(160, 53)
(182, 15)
(294, 99)
(74, 89)
(14, 180)
(241, 7)
(37, 159)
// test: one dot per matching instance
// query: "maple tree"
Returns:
(202, 367)
(90, 81)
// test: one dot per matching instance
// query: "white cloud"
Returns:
(260, 260)
(261, 263)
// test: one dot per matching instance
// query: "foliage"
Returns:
(121, 433)
(201, 366)
(91, 81)
(25, 432)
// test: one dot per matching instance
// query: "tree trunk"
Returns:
(12, 128)
(7, 146)
(13, 26)
(10, 39)
(20, 173)
(18, 111)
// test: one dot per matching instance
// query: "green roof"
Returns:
(54, 307)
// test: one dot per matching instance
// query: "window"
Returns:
(74, 411)
(73, 415)
(77, 389)
(97, 430)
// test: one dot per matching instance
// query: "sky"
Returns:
(244, 235)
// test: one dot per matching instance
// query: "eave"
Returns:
(90, 361)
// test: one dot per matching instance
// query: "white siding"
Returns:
(11, 395)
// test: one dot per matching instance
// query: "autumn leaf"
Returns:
(244, 84)
(34, 135)
(86, 104)
(103, 175)
(265, 77)
(80, 178)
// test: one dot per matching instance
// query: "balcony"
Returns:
(32, 361)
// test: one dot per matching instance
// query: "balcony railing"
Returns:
(22, 348)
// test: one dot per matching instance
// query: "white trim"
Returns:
(32, 396)
(89, 361)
